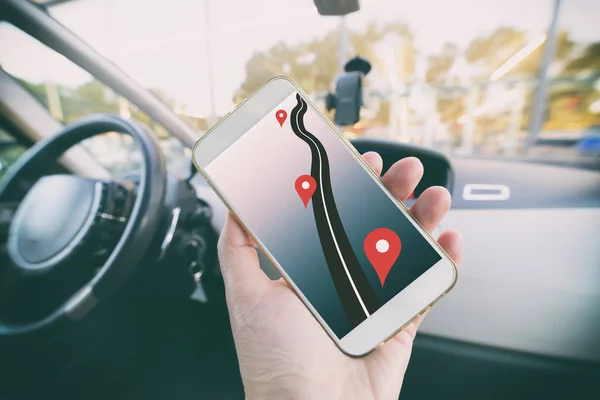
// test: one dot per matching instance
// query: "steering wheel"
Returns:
(66, 223)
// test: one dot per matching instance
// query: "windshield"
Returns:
(461, 76)
(70, 93)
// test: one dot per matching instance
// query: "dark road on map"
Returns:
(354, 290)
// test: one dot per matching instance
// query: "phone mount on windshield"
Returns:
(336, 7)
(348, 97)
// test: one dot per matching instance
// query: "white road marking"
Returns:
(360, 300)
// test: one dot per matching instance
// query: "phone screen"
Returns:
(325, 220)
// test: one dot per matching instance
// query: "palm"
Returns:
(282, 349)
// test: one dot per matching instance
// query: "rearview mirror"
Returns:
(336, 7)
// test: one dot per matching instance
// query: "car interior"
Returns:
(109, 280)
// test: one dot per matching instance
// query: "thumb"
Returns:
(244, 280)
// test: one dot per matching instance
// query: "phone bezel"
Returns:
(403, 308)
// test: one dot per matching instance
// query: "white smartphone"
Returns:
(346, 245)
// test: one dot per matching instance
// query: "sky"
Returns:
(163, 44)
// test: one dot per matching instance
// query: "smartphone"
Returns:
(345, 244)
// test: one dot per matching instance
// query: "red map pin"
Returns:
(281, 115)
(305, 186)
(382, 247)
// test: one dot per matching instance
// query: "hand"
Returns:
(283, 351)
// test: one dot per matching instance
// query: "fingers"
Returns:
(431, 207)
(403, 177)
(374, 160)
(239, 262)
(452, 242)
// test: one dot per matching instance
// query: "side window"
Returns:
(10, 151)
(70, 93)
(571, 119)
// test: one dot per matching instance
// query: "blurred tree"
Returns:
(397, 36)
(93, 97)
(572, 94)
(496, 48)
(164, 97)
(382, 112)
(38, 90)
(10, 151)
(489, 52)
(313, 64)
(531, 64)
(568, 110)
(588, 61)
(90, 98)
(280, 60)
(440, 64)
(450, 107)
